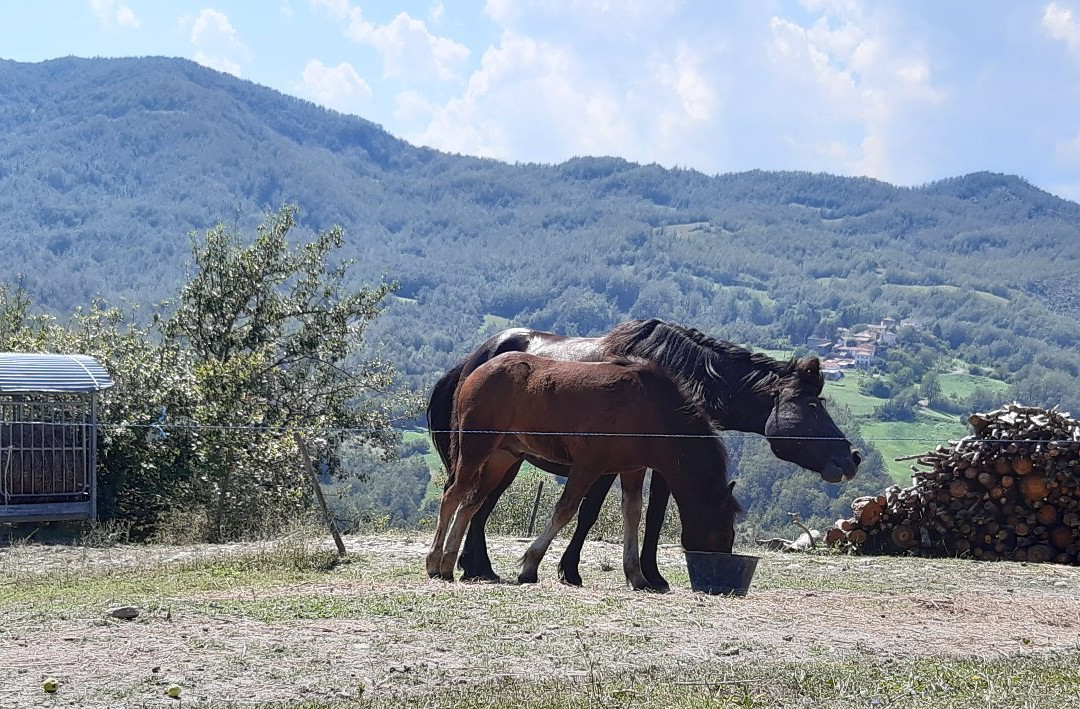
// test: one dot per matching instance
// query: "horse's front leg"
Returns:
(654, 524)
(632, 483)
(474, 561)
(587, 516)
(574, 489)
(448, 506)
(492, 473)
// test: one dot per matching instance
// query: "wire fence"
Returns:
(166, 427)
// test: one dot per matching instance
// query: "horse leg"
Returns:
(499, 466)
(565, 508)
(447, 507)
(632, 482)
(587, 516)
(474, 560)
(654, 523)
(464, 515)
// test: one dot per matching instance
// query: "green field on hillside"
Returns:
(961, 385)
(896, 439)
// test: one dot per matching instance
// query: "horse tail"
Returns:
(440, 412)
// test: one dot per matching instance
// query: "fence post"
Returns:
(317, 488)
(536, 505)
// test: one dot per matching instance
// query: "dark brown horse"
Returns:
(741, 391)
(595, 418)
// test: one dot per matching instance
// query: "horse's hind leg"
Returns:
(654, 524)
(474, 560)
(587, 516)
(632, 482)
(565, 508)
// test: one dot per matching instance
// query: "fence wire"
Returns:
(163, 428)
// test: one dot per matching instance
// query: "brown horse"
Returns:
(593, 419)
(740, 390)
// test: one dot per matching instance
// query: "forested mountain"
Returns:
(107, 164)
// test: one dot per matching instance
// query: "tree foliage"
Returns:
(265, 340)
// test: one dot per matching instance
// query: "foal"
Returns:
(597, 418)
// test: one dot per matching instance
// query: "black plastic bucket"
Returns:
(718, 573)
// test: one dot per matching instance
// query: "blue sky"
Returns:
(907, 91)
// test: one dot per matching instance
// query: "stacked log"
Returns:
(1010, 490)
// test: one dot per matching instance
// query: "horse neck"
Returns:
(734, 398)
(743, 406)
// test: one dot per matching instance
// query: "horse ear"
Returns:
(812, 366)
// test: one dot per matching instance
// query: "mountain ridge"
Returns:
(109, 163)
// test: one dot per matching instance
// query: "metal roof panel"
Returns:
(23, 372)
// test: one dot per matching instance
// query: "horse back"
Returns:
(525, 394)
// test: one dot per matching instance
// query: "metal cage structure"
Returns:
(48, 436)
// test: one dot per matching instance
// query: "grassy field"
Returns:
(963, 385)
(929, 291)
(896, 439)
(285, 623)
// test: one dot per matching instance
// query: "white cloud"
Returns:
(535, 100)
(216, 43)
(110, 12)
(436, 12)
(860, 80)
(336, 8)
(527, 100)
(530, 16)
(335, 87)
(1060, 23)
(409, 51)
(412, 106)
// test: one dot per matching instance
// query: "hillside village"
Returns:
(857, 350)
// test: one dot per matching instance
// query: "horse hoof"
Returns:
(482, 578)
(446, 577)
(528, 578)
(655, 586)
(570, 579)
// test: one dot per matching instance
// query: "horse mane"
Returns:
(716, 370)
(695, 411)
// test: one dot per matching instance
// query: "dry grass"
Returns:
(253, 624)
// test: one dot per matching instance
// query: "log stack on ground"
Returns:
(1011, 490)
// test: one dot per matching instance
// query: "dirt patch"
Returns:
(380, 628)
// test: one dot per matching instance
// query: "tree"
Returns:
(275, 338)
(930, 387)
(900, 407)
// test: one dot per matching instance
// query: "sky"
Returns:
(906, 91)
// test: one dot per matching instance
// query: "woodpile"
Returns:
(1011, 490)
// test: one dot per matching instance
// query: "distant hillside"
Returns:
(107, 164)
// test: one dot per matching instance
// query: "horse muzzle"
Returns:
(842, 470)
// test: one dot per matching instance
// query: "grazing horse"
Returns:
(740, 390)
(596, 418)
